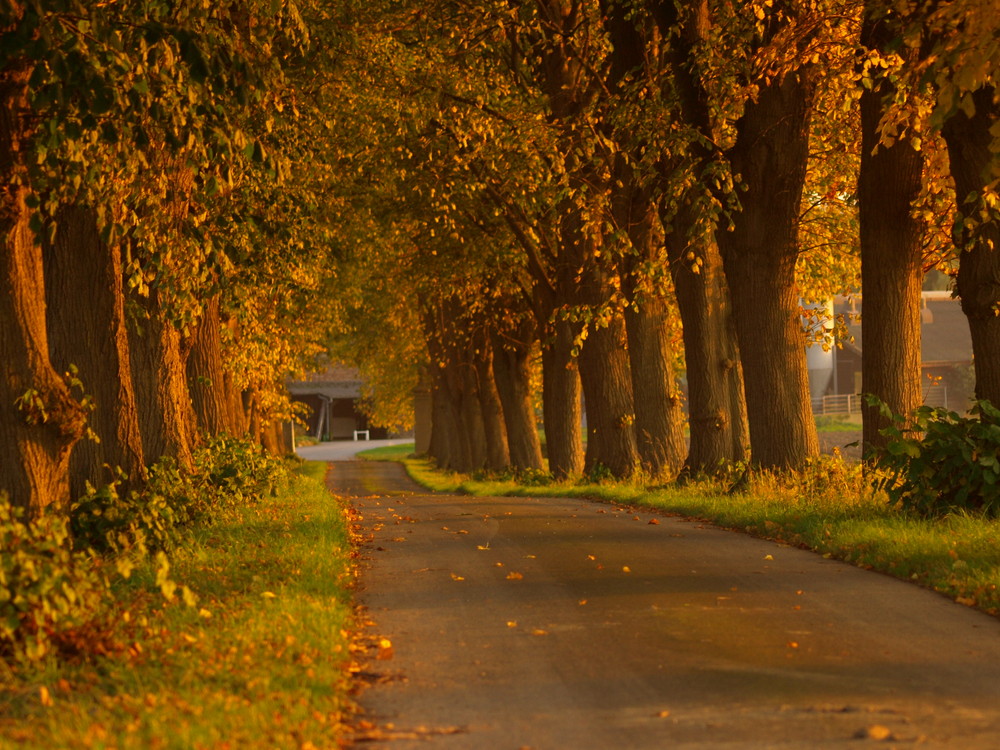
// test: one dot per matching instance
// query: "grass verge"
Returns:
(257, 662)
(826, 508)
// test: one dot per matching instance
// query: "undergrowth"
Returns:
(255, 658)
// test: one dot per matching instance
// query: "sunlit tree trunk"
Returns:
(166, 417)
(973, 162)
(759, 254)
(40, 421)
(490, 406)
(891, 263)
(210, 396)
(512, 373)
(561, 409)
(719, 434)
(659, 423)
(86, 326)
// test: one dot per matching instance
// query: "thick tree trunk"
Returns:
(561, 410)
(210, 396)
(471, 415)
(607, 392)
(40, 421)
(659, 409)
(891, 262)
(969, 149)
(770, 155)
(491, 408)
(512, 374)
(86, 327)
(166, 417)
(719, 434)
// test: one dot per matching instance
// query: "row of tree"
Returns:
(634, 186)
(162, 229)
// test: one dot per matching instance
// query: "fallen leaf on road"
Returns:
(511, 623)
(483, 546)
(512, 576)
(539, 631)
(654, 522)
(582, 602)
(384, 649)
(626, 569)
(768, 557)
(876, 732)
(662, 714)
(457, 577)
(591, 557)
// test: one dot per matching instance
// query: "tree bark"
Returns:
(561, 410)
(86, 326)
(40, 421)
(770, 155)
(969, 150)
(607, 391)
(719, 434)
(490, 406)
(512, 374)
(891, 260)
(167, 421)
(659, 407)
(210, 396)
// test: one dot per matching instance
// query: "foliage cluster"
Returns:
(46, 587)
(938, 462)
(54, 571)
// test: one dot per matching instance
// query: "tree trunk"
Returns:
(891, 262)
(770, 155)
(659, 424)
(512, 373)
(470, 415)
(969, 149)
(166, 417)
(561, 409)
(40, 421)
(607, 392)
(659, 421)
(86, 327)
(490, 407)
(719, 434)
(206, 376)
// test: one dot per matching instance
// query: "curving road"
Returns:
(542, 623)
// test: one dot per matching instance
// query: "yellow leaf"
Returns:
(456, 577)
(626, 569)
(269, 595)
(512, 576)
(768, 557)
(511, 623)
(43, 694)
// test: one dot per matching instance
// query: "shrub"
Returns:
(46, 589)
(937, 462)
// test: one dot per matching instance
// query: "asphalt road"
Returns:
(547, 623)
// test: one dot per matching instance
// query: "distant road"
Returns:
(343, 450)
(566, 624)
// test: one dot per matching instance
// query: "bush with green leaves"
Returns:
(47, 590)
(937, 462)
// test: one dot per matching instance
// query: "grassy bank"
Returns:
(257, 662)
(826, 508)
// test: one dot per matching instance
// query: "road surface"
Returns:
(548, 623)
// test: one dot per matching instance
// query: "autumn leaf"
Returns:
(455, 577)
(385, 651)
(512, 576)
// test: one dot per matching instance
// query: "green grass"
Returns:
(388, 452)
(826, 508)
(258, 662)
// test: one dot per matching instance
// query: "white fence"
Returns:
(850, 403)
